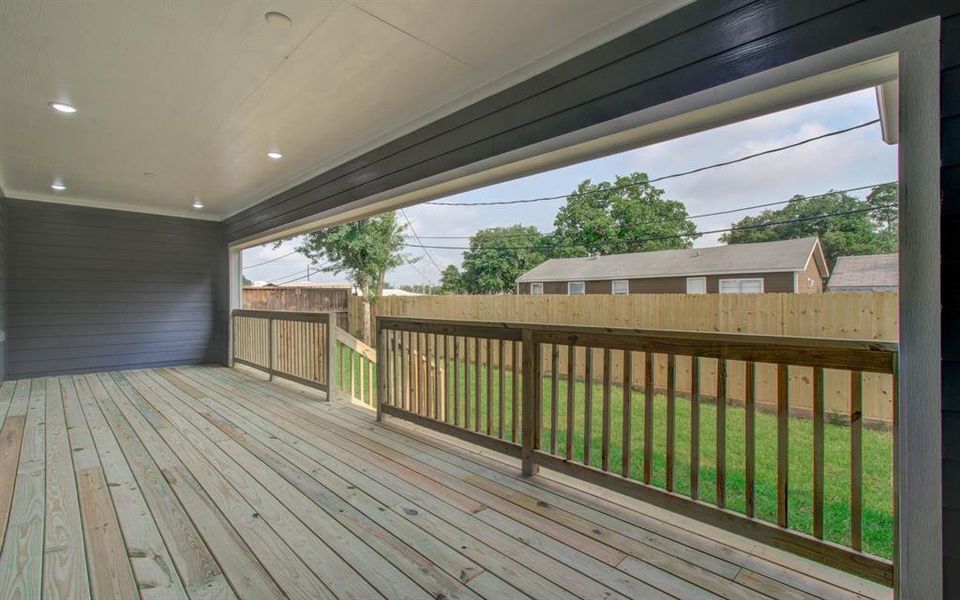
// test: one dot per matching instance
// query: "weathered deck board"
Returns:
(205, 482)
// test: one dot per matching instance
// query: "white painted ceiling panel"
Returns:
(182, 100)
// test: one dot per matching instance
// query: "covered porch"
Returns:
(208, 482)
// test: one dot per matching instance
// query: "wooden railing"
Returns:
(293, 345)
(583, 401)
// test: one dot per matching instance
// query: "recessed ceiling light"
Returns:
(277, 19)
(58, 187)
(197, 204)
(274, 155)
(61, 107)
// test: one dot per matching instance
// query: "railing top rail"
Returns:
(830, 353)
(290, 315)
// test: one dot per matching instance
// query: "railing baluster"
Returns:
(588, 407)
(554, 394)
(501, 392)
(648, 418)
(489, 387)
(456, 380)
(856, 459)
(447, 409)
(477, 379)
(605, 428)
(695, 427)
(437, 404)
(571, 388)
(671, 418)
(818, 409)
(721, 432)
(783, 441)
(750, 437)
(515, 413)
(627, 412)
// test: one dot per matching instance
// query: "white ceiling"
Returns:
(195, 93)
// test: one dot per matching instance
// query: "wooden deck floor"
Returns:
(205, 482)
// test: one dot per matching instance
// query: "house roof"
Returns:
(763, 257)
(872, 271)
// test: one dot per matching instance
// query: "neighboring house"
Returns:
(868, 273)
(796, 266)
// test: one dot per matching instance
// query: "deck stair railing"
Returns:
(593, 402)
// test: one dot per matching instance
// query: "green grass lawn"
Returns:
(877, 454)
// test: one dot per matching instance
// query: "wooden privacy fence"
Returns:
(503, 385)
(308, 348)
(860, 315)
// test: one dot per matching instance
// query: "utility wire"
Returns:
(428, 255)
(700, 216)
(270, 261)
(671, 237)
(663, 177)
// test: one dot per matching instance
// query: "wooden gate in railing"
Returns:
(501, 385)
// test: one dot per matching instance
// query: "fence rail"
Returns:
(547, 394)
(859, 316)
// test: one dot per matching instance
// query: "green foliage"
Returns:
(627, 215)
(246, 281)
(872, 232)
(451, 282)
(497, 256)
(365, 250)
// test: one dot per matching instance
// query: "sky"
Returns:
(849, 160)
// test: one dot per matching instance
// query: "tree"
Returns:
(852, 233)
(365, 250)
(627, 215)
(497, 256)
(246, 281)
(451, 282)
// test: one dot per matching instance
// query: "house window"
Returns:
(576, 288)
(696, 285)
(536, 288)
(620, 286)
(741, 286)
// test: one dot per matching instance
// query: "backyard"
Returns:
(877, 452)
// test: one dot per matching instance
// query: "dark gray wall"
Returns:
(92, 289)
(695, 48)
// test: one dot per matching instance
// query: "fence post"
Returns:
(270, 347)
(330, 356)
(530, 429)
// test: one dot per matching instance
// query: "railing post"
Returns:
(382, 362)
(530, 429)
(330, 355)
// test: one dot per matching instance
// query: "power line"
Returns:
(270, 261)
(436, 266)
(672, 237)
(700, 216)
(664, 177)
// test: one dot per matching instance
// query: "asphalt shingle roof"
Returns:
(787, 255)
(868, 271)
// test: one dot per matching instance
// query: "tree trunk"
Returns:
(365, 290)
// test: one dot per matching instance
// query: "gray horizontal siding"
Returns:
(94, 289)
